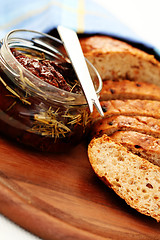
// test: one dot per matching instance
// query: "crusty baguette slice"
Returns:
(147, 125)
(115, 59)
(133, 178)
(149, 108)
(141, 144)
(126, 89)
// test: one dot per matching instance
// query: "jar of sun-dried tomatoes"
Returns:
(41, 101)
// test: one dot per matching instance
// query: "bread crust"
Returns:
(141, 144)
(141, 124)
(127, 89)
(133, 178)
(149, 108)
(105, 44)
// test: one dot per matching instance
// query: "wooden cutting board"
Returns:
(59, 197)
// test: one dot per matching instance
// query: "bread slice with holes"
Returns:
(141, 124)
(149, 108)
(133, 178)
(141, 144)
(126, 89)
(116, 59)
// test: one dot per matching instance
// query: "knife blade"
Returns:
(75, 54)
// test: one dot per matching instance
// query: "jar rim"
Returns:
(51, 92)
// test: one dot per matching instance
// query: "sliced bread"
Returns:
(141, 144)
(147, 125)
(149, 108)
(126, 89)
(115, 59)
(133, 178)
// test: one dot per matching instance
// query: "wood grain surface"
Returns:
(59, 197)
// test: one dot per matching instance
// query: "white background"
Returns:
(143, 17)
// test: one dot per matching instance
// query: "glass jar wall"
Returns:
(33, 111)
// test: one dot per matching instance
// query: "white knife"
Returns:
(74, 51)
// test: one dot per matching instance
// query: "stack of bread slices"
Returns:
(125, 147)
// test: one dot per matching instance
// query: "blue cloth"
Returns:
(84, 16)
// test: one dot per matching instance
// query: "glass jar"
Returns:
(32, 111)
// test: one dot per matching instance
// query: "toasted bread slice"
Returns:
(133, 178)
(141, 144)
(149, 108)
(126, 89)
(147, 125)
(115, 59)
